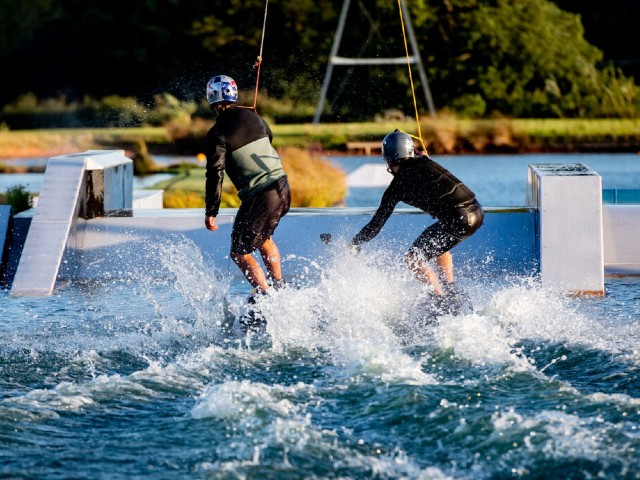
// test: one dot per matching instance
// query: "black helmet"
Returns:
(397, 146)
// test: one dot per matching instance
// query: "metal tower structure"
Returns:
(334, 59)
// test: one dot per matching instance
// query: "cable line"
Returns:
(259, 59)
(413, 91)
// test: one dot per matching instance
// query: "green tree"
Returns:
(295, 39)
(20, 21)
(99, 48)
(523, 58)
(519, 58)
(612, 27)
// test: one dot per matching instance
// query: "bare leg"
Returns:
(423, 272)
(271, 258)
(252, 270)
(444, 263)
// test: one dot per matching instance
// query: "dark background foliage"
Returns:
(483, 57)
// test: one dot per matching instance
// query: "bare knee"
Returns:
(241, 259)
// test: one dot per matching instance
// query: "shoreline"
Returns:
(31, 154)
(444, 136)
(15, 160)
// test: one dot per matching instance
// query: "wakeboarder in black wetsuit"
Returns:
(420, 182)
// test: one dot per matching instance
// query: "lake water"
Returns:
(501, 180)
(137, 378)
(497, 180)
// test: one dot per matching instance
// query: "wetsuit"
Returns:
(240, 144)
(424, 184)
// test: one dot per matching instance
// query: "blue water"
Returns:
(501, 180)
(497, 180)
(138, 378)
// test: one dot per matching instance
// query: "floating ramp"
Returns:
(5, 230)
(79, 185)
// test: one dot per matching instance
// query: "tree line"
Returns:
(519, 58)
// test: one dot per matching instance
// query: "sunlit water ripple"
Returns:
(137, 379)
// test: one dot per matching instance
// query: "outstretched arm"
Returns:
(371, 229)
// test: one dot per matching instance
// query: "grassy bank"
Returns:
(444, 135)
(45, 143)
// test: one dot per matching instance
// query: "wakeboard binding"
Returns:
(253, 321)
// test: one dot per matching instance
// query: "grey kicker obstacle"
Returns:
(84, 185)
(569, 233)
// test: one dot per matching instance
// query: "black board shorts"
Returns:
(447, 232)
(259, 216)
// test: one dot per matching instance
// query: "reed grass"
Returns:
(314, 181)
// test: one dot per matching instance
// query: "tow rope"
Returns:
(259, 59)
(413, 91)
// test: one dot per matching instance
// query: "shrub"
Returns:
(469, 106)
(143, 164)
(169, 111)
(283, 110)
(19, 198)
(108, 112)
(182, 199)
(314, 181)
(4, 168)
(191, 199)
(116, 111)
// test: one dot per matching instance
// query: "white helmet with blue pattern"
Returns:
(221, 89)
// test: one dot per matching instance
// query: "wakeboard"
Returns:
(427, 306)
(247, 326)
(254, 328)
